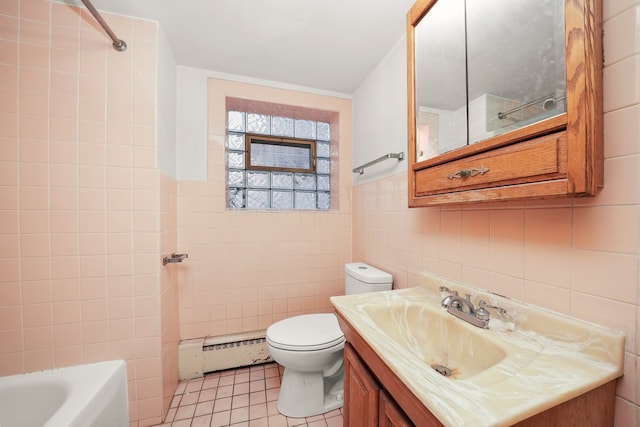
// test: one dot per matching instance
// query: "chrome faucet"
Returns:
(463, 304)
(463, 309)
(447, 300)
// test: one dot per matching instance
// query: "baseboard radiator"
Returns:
(198, 356)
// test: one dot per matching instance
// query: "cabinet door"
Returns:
(390, 413)
(361, 392)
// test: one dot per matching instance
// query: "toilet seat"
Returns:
(308, 332)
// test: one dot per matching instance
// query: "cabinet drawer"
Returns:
(535, 160)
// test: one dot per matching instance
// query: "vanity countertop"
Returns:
(546, 358)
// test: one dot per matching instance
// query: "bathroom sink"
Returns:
(469, 375)
(446, 344)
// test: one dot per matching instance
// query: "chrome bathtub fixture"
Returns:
(463, 308)
(174, 258)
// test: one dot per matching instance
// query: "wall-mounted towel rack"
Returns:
(360, 169)
(174, 258)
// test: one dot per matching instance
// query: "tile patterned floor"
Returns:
(244, 397)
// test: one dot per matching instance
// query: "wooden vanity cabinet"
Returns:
(561, 156)
(390, 413)
(375, 396)
(361, 391)
(366, 404)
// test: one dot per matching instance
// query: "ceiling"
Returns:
(329, 45)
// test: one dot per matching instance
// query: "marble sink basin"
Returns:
(436, 338)
(519, 367)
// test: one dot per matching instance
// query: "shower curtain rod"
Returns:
(118, 44)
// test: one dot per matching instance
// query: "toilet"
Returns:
(310, 347)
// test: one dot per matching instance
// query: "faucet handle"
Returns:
(482, 313)
(447, 300)
(483, 306)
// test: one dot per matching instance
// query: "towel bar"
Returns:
(360, 169)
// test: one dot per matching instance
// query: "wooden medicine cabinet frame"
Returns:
(561, 156)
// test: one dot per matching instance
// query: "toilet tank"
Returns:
(360, 277)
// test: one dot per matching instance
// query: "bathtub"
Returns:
(93, 395)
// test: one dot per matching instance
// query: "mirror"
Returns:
(441, 81)
(486, 68)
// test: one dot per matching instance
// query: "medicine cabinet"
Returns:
(504, 100)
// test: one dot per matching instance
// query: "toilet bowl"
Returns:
(310, 347)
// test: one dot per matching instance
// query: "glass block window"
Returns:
(277, 162)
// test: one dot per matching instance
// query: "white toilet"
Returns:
(310, 347)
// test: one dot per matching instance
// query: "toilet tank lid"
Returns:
(366, 273)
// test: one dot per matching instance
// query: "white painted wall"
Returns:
(380, 116)
(166, 107)
(191, 128)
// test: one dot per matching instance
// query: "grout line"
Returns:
(225, 398)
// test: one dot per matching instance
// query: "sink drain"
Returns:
(442, 370)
